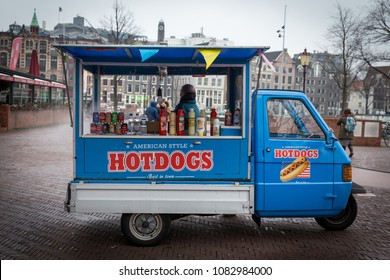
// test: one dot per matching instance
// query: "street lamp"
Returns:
(305, 59)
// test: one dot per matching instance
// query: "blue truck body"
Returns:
(151, 178)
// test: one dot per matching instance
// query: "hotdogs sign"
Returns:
(300, 167)
(159, 161)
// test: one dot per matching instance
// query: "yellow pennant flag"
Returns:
(209, 55)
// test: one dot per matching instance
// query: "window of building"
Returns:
(104, 96)
(42, 63)
(3, 59)
(42, 46)
(53, 62)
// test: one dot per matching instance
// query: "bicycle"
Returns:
(386, 133)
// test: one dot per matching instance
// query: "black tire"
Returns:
(342, 220)
(145, 229)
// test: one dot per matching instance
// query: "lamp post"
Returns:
(305, 59)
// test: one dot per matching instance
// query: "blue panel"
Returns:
(164, 159)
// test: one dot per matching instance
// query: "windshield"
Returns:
(290, 118)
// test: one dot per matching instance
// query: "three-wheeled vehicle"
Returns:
(279, 160)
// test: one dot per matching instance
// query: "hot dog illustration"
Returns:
(295, 168)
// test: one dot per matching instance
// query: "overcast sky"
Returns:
(246, 22)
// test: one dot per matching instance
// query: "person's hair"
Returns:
(347, 111)
(189, 92)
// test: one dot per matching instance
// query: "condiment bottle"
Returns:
(162, 122)
(228, 117)
(172, 123)
(191, 122)
(213, 115)
(237, 117)
(180, 122)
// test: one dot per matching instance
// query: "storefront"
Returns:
(18, 88)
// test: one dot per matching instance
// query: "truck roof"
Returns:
(130, 59)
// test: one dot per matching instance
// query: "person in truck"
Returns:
(187, 101)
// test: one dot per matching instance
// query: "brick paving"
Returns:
(36, 165)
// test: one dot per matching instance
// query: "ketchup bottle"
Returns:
(180, 122)
(162, 122)
(213, 115)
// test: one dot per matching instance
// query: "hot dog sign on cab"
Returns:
(159, 160)
(298, 168)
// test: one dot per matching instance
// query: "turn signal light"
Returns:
(347, 173)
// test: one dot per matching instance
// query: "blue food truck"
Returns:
(280, 160)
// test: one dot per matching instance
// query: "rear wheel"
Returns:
(342, 220)
(145, 229)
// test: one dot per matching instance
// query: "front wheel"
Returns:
(342, 220)
(145, 229)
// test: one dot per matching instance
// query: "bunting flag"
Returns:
(147, 53)
(16, 43)
(209, 55)
(269, 64)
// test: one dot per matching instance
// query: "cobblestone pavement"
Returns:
(36, 165)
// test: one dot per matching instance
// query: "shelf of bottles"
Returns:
(168, 124)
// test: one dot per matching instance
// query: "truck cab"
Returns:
(280, 160)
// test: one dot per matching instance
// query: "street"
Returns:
(36, 165)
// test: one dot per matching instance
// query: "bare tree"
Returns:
(121, 30)
(120, 25)
(344, 35)
(377, 27)
(366, 89)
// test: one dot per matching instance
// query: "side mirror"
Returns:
(329, 136)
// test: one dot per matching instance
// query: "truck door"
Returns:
(298, 172)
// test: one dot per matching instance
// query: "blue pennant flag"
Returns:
(147, 53)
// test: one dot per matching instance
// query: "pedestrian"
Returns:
(187, 101)
(152, 111)
(347, 125)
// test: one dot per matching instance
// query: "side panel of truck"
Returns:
(289, 131)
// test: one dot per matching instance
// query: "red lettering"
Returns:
(161, 162)
(133, 161)
(116, 162)
(177, 161)
(193, 160)
(146, 158)
(278, 153)
(207, 160)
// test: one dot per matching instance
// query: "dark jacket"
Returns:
(152, 111)
(186, 102)
(343, 133)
